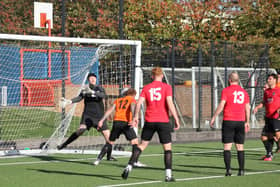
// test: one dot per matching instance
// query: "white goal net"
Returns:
(35, 74)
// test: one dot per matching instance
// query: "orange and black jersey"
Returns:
(123, 108)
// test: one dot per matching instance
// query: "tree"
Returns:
(260, 23)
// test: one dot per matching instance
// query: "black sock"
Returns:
(270, 147)
(109, 151)
(168, 159)
(71, 138)
(241, 159)
(135, 155)
(268, 144)
(134, 147)
(103, 151)
(227, 159)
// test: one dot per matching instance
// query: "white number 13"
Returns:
(238, 97)
(155, 94)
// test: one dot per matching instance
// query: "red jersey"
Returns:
(155, 95)
(123, 111)
(236, 98)
(271, 100)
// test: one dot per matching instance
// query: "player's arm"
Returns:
(173, 111)
(136, 112)
(100, 93)
(64, 102)
(106, 115)
(219, 109)
(132, 109)
(247, 115)
(258, 107)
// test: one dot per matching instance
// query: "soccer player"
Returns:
(271, 102)
(123, 108)
(158, 98)
(235, 104)
(93, 96)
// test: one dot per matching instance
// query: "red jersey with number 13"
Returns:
(155, 95)
(236, 98)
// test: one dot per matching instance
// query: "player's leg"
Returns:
(276, 126)
(227, 158)
(267, 139)
(227, 140)
(277, 141)
(147, 134)
(164, 133)
(85, 124)
(103, 152)
(73, 136)
(106, 134)
(239, 140)
(132, 137)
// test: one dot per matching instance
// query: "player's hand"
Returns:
(64, 102)
(134, 122)
(88, 91)
(247, 127)
(212, 123)
(100, 124)
(255, 110)
(177, 125)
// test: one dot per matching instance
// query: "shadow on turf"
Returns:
(102, 175)
(55, 159)
(174, 169)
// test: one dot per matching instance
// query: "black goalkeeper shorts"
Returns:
(92, 122)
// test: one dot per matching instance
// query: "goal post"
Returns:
(32, 74)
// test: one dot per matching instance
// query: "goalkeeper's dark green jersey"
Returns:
(93, 103)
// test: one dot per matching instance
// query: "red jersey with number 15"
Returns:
(236, 98)
(271, 100)
(155, 95)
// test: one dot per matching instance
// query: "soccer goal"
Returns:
(35, 74)
(197, 91)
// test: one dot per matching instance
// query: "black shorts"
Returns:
(92, 122)
(233, 132)
(271, 126)
(163, 129)
(121, 127)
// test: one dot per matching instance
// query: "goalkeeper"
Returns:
(123, 107)
(93, 96)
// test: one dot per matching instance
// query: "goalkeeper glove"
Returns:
(88, 91)
(64, 102)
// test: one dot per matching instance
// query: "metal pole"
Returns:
(63, 16)
(121, 47)
(212, 77)
(225, 63)
(173, 72)
(173, 68)
(199, 88)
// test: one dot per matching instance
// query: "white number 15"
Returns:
(155, 94)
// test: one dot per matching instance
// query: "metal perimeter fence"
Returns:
(199, 71)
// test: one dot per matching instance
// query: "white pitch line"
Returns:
(147, 155)
(188, 179)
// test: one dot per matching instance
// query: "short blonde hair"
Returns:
(157, 71)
